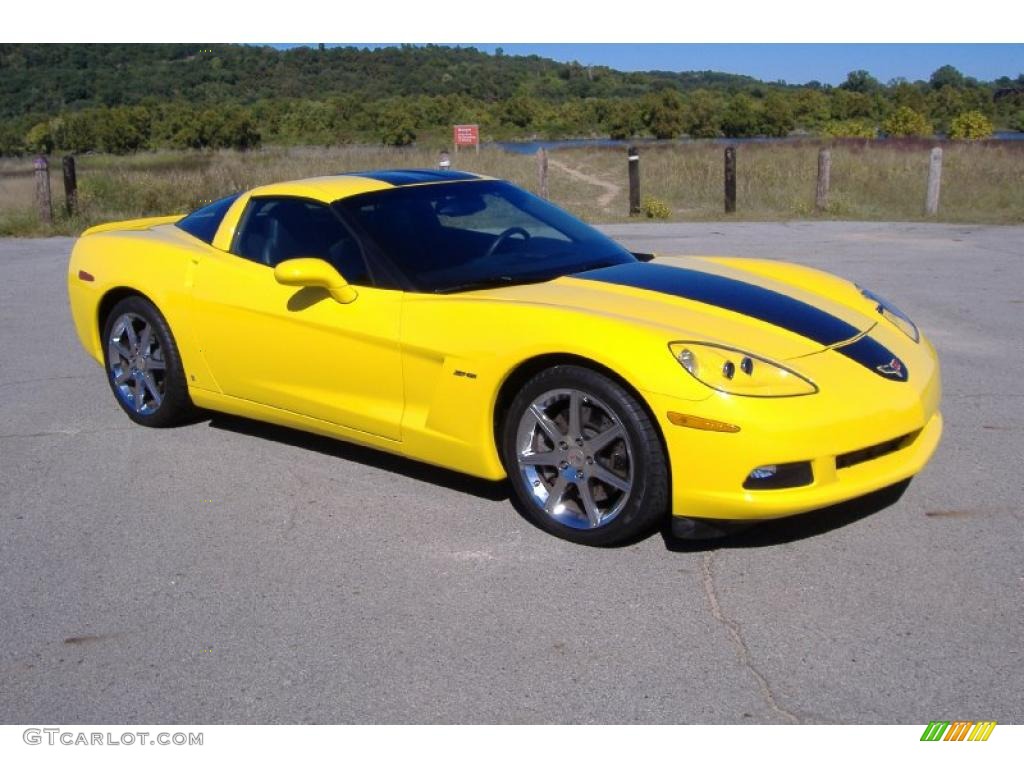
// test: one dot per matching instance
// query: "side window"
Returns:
(203, 223)
(274, 229)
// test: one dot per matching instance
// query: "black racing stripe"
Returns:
(403, 177)
(754, 301)
(735, 295)
(877, 357)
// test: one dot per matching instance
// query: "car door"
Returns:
(297, 348)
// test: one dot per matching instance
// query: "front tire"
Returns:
(143, 365)
(584, 458)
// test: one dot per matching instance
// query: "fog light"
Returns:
(774, 476)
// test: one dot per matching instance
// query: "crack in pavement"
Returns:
(42, 378)
(65, 432)
(742, 652)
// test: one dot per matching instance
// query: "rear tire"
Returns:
(585, 460)
(143, 365)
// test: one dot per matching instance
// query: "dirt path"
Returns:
(610, 189)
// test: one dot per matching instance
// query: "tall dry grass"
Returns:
(870, 181)
(982, 183)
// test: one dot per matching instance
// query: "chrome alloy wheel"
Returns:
(575, 457)
(136, 364)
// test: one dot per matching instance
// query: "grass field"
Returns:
(981, 183)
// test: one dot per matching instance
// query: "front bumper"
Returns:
(836, 435)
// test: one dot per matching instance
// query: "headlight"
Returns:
(738, 372)
(892, 313)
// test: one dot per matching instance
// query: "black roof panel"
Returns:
(401, 177)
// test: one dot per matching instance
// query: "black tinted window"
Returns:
(468, 234)
(276, 229)
(204, 222)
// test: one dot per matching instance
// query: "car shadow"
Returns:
(789, 529)
(765, 534)
(370, 457)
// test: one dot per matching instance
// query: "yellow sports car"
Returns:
(462, 321)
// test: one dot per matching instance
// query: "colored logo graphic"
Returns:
(958, 730)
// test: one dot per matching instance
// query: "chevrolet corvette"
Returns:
(461, 321)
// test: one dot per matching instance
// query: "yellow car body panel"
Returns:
(157, 261)
(270, 343)
(422, 375)
(131, 224)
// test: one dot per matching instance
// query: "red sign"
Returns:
(467, 135)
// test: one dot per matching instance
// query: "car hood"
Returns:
(702, 299)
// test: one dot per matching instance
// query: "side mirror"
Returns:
(315, 273)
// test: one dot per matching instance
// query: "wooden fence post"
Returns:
(542, 171)
(43, 190)
(634, 181)
(931, 203)
(824, 180)
(730, 179)
(70, 185)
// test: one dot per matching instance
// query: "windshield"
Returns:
(475, 234)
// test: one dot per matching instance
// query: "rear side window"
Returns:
(204, 222)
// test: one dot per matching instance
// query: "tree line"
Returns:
(121, 99)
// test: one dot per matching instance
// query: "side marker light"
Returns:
(696, 422)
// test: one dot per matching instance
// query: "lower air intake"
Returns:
(872, 452)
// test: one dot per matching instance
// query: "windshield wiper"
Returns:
(497, 281)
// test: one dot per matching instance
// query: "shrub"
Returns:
(704, 115)
(124, 130)
(653, 208)
(906, 122)
(662, 113)
(850, 129)
(777, 119)
(236, 129)
(624, 120)
(971, 125)
(741, 118)
(519, 111)
(40, 138)
(397, 128)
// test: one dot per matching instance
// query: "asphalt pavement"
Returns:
(233, 572)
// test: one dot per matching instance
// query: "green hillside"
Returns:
(122, 98)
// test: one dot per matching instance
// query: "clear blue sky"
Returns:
(794, 63)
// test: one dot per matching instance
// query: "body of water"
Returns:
(531, 147)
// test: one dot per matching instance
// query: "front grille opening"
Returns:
(873, 451)
(775, 476)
